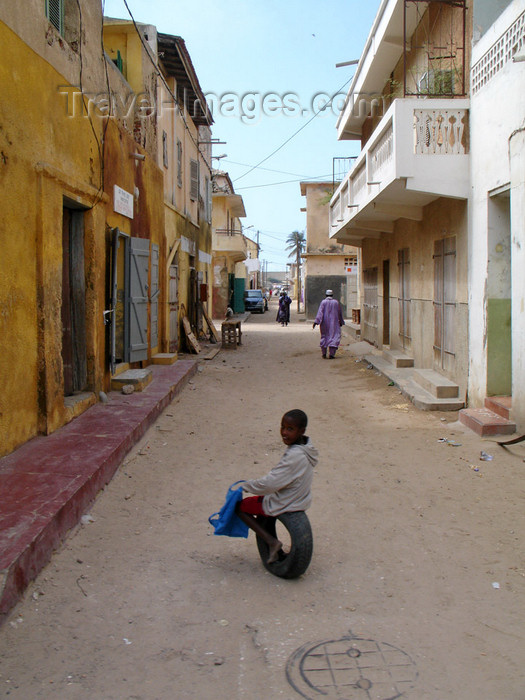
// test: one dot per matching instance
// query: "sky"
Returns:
(266, 69)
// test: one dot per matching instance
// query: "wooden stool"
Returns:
(231, 334)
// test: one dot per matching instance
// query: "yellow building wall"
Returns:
(44, 156)
(50, 159)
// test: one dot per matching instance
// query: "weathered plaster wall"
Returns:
(44, 156)
(441, 219)
(517, 174)
(496, 242)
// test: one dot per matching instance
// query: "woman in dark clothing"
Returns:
(283, 314)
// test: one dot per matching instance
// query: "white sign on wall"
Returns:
(122, 201)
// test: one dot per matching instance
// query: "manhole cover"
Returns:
(351, 668)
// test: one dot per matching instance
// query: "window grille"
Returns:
(499, 54)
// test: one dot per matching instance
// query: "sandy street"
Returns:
(417, 583)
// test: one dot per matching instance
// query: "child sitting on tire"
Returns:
(287, 487)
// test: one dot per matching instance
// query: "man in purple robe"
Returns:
(330, 319)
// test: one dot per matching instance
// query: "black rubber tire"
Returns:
(297, 560)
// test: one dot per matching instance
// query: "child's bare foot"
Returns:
(274, 552)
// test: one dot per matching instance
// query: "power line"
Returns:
(159, 73)
(283, 182)
(270, 170)
(295, 133)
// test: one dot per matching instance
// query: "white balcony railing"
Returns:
(417, 153)
(440, 131)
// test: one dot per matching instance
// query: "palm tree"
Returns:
(296, 243)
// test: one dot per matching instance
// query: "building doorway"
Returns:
(73, 311)
(134, 288)
(403, 263)
(445, 302)
(386, 302)
(173, 303)
(499, 307)
(370, 306)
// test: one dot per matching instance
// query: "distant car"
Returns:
(254, 300)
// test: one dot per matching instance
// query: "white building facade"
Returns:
(405, 200)
(497, 207)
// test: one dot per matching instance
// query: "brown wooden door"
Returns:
(73, 311)
(67, 329)
(174, 308)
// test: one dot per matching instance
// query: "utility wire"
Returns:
(159, 73)
(270, 170)
(295, 133)
(283, 182)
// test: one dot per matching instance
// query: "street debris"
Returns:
(450, 442)
(485, 457)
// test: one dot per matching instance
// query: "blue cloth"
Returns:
(226, 521)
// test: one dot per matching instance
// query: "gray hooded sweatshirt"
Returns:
(288, 486)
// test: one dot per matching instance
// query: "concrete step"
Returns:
(403, 378)
(352, 330)
(500, 405)
(435, 383)
(485, 422)
(139, 378)
(398, 358)
(165, 358)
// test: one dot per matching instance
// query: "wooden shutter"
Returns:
(208, 193)
(165, 149)
(179, 163)
(138, 299)
(55, 14)
(194, 179)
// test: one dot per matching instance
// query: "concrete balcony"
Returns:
(418, 153)
(230, 243)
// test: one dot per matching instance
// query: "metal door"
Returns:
(444, 297)
(403, 263)
(386, 302)
(370, 305)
